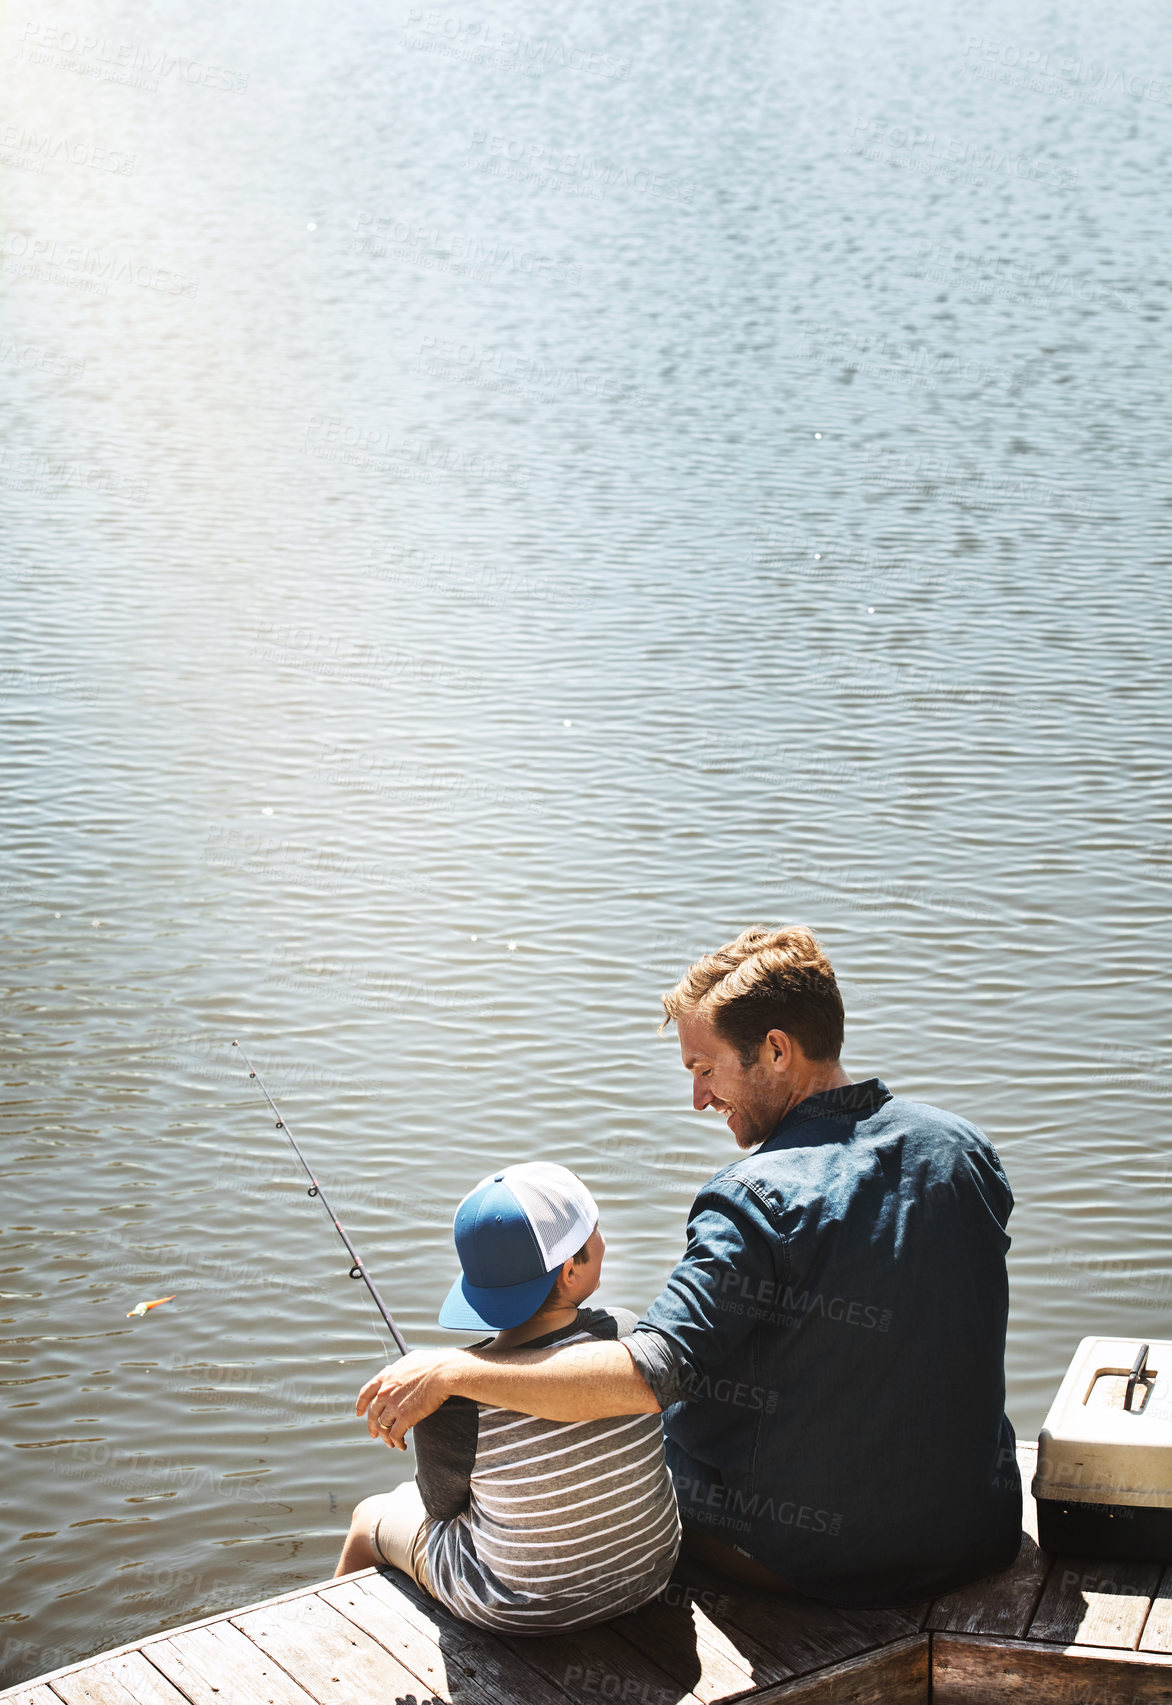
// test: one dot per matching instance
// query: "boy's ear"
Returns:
(565, 1277)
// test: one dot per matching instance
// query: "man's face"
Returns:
(752, 1098)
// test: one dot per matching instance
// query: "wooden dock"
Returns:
(1049, 1629)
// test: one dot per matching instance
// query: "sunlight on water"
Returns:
(495, 502)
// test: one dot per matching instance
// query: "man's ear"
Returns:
(781, 1050)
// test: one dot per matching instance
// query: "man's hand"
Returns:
(406, 1392)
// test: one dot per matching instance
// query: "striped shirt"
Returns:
(546, 1525)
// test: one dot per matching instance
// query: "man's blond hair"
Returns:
(767, 979)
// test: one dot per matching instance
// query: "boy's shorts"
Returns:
(399, 1529)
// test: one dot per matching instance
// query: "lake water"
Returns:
(495, 501)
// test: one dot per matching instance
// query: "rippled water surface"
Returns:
(494, 502)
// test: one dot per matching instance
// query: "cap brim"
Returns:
(474, 1308)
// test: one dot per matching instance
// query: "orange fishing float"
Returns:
(141, 1308)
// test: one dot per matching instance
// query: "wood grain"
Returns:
(969, 1670)
(218, 1663)
(125, 1680)
(477, 1654)
(416, 1649)
(327, 1655)
(1157, 1632)
(1095, 1604)
(805, 1636)
(597, 1665)
(145, 1641)
(899, 1675)
(731, 1661)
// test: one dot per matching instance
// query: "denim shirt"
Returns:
(830, 1351)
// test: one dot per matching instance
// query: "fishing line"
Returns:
(358, 1270)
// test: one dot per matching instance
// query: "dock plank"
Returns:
(594, 1662)
(545, 1669)
(1001, 1604)
(710, 1670)
(1157, 1633)
(731, 1661)
(976, 1670)
(36, 1694)
(713, 1601)
(1086, 1603)
(806, 1636)
(217, 1663)
(474, 1651)
(327, 1654)
(417, 1651)
(126, 1680)
(898, 1675)
(144, 1642)
(1004, 1603)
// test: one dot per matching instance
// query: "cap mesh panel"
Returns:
(559, 1207)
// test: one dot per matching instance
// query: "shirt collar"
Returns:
(849, 1102)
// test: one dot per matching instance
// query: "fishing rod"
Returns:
(357, 1271)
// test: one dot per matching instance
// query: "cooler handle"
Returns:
(1136, 1374)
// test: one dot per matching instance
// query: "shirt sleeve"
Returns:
(734, 1251)
(445, 1454)
(660, 1362)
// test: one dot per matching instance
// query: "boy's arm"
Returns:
(578, 1382)
(445, 1454)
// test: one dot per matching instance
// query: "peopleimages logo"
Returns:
(741, 1396)
(461, 251)
(765, 1300)
(110, 60)
(727, 1506)
(483, 42)
(21, 146)
(97, 267)
(541, 165)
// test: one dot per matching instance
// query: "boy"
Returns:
(512, 1522)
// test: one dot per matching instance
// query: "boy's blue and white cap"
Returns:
(512, 1234)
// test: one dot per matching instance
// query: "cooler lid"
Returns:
(1108, 1436)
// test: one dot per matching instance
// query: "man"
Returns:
(830, 1349)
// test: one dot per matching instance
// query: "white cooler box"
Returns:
(1104, 1479)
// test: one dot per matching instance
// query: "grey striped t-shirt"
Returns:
(543, 1525)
